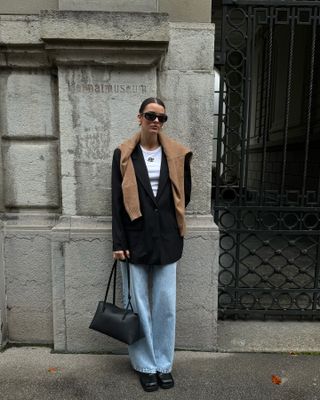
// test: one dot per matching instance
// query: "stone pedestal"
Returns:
(26, 257)
(81, 263)
(72, 87)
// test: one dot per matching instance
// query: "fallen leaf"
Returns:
(52, 370)
(276, 380)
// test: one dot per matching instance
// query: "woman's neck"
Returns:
(149, 142)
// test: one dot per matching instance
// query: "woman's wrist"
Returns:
(121, 254)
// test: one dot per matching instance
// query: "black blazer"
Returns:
(154, 238)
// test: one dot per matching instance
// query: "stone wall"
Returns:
(71, 85)
(179, 10)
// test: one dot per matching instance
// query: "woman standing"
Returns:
(151, 187)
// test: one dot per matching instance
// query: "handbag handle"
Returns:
(114, 274)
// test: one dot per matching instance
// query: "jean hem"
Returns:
(145, 370)
(164, 371)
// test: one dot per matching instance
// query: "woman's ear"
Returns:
(139, 119)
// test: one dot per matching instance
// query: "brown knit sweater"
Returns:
(175, 154)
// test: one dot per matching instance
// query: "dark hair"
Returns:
(150, 100)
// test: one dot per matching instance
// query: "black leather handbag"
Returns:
(120, 323)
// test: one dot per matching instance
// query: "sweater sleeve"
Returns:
(187, 178)
(118, 233)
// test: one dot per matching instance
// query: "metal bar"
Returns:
(263, 96)
(267, 111)
(249, 86)
(262, 312)
(305, 169)
(287, 109)
(221, 118)
(274, 231)
(314, 210)
(273, 290)
(219, 141)
(316, 276)
(242, 159)
(279, 3)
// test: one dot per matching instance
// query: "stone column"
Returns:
(186, 84)
(106, 66)
(30, 179)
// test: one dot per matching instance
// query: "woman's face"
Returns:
(151, 127)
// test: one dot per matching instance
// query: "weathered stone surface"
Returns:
(16, 29)
(34, 221)
(197, 286)
(27, 107)
(30, 172)
(268, 336)
(84, 252)
(98, 106)
(189, 100)
(81, 247)
(3, 299)
(108, 5)
(58, 295)
(29, 286)
(179, 10)
(187, 10)
(106, 26)
(105, 54)
(191, 47)
(90, 258)
(26, 7)
(98, 109)
(24, 57)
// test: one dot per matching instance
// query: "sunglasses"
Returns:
(151, 116)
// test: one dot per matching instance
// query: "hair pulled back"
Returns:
(150, 100)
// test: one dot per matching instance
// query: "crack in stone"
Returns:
(198, 237)
(30, 238)
(90, 240)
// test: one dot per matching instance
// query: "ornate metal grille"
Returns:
(267, 173)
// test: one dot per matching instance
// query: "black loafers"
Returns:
(165, 380)
(149, 382)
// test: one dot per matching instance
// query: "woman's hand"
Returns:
(121, 254)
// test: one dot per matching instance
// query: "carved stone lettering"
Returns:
(107, 88)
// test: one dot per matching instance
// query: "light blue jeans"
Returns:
(157, 314)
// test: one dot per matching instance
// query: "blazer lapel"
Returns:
(141, 171)
(164, 175)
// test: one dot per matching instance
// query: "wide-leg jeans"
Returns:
(157, 312)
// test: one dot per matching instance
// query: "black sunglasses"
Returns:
(151, 116)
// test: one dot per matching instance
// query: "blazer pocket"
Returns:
(171, 235)
(137, 245)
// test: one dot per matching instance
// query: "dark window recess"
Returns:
(266, 193)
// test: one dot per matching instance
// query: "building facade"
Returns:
(239, 81)
(72, 77)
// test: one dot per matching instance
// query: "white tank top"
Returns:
(153, 162)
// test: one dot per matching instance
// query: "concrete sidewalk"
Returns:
(34, 373)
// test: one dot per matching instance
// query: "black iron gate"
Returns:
(267, 173)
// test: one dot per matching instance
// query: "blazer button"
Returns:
(156, 210)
